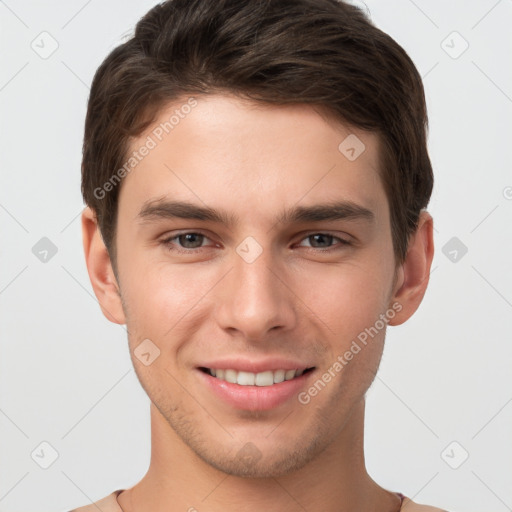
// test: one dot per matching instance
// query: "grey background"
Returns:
(65, 373)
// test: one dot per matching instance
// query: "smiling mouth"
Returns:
(266, 378)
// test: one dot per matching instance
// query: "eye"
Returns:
(323, 241)
(189, 241)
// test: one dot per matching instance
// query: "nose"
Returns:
(255, 298)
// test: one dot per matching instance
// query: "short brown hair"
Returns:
(326, 53)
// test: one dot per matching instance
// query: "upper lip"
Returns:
(256, 366)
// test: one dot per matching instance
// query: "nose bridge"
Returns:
(255, 300)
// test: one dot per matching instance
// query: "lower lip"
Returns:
(255, 398)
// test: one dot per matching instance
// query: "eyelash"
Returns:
(168, 242)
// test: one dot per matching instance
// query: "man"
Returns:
(256, 177)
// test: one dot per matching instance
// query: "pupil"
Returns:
(189, 237)
(329, 237)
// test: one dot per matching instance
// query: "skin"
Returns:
(295, 300)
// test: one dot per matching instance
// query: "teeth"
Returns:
(245, 378)
(230, 376)
(264, 379)
(267, 378)
(279, 376)
(289, 374)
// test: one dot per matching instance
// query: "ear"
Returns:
(413, 275)
(100, 270)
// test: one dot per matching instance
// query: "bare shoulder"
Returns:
(410, 506)
(107, 504)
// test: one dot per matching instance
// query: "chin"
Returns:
(253, 460)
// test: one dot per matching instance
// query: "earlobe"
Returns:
(413, 275)
(100, 270)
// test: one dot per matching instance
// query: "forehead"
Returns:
(222, 151)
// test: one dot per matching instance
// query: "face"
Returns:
(291, 266)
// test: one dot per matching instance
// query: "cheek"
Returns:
(347, 298)
(164, 297)
(352, 306)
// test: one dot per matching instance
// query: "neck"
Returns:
(335, 481)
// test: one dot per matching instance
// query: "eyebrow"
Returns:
(154, 210)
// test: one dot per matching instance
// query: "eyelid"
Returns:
(166, 240)
(303, 236)
(344, 241)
